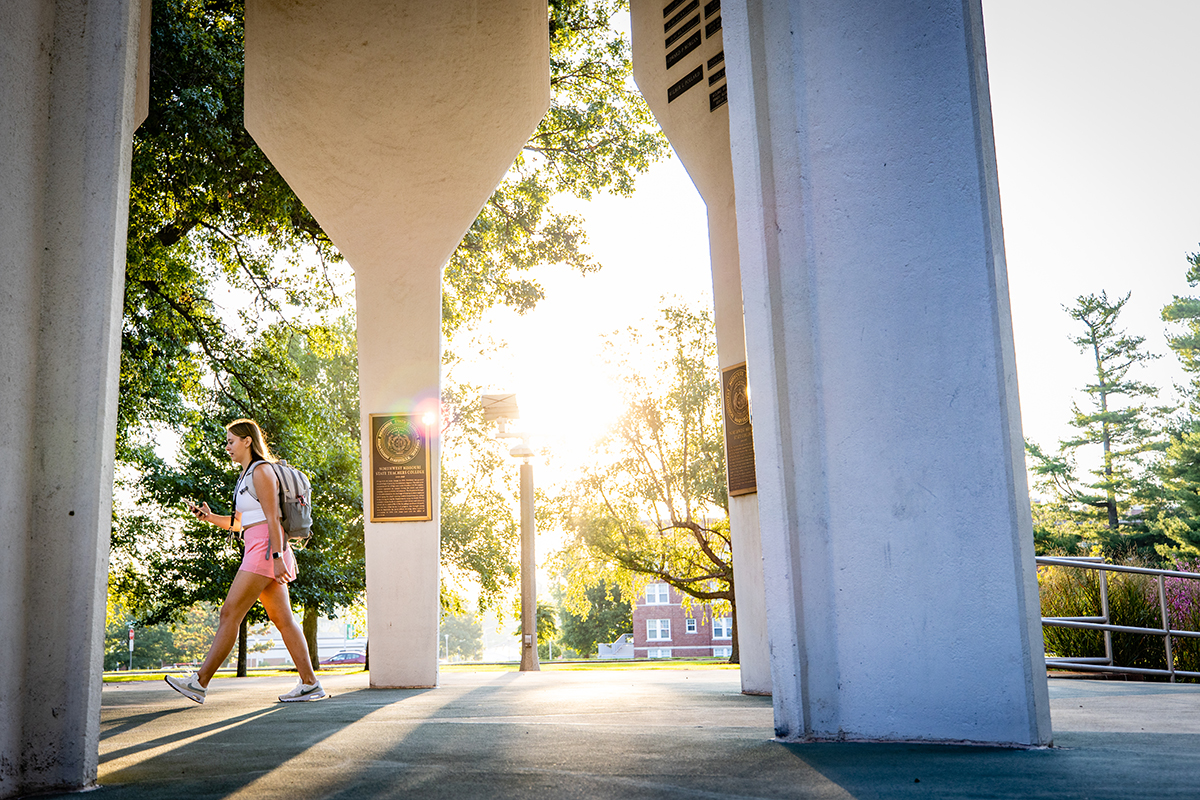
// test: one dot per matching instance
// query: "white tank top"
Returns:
(252, 510)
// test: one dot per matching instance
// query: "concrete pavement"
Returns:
(611, 734)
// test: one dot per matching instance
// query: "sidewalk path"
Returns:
(611, 734)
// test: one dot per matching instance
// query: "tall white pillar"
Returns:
(678, 62)
(894, 510)
(68, 72)
(393, 121)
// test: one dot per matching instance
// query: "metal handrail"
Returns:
(1103, 622)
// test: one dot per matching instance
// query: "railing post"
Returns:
(1102, 576)
(1166, 623)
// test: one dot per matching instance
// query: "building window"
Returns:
(691, 625)
(722, 628)
(657, 594)
(722, 652)
(658, 629)
(658, 652)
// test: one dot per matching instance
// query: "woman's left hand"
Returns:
(280, 570)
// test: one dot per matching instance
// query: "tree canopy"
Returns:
(654, 507)
(607, 617)
(237, 303)
(462, 636)
(1179, 469)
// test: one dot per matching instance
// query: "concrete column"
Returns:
(895, 521)
(678, 63)
(393, 121)
(68, 72)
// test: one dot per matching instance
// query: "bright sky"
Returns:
(1096, 131)
(1096, 123)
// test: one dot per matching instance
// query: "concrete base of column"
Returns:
(402, 614)
(753, 648)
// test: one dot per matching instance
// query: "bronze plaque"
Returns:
(739, 435)
(400, 470)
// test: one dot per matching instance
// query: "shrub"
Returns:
(1183, 609)
(1132, 601)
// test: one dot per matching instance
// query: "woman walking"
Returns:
(268, 565)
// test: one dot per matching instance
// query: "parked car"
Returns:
(343, 658)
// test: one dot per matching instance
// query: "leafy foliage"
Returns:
(224, 261)
(1179, 469)
(479, 534)
(1069, 592)
(465, 636)
(546, 626)
(655, 505)
(185, 641)
(608, 616)
(1179, 522)
(1057, 530)
(307, 380)
(597, 135)
(208, 214)
(1186, 342)
(1133, 601)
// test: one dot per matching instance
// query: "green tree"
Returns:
(1184, 313)
(608, 616)
(314, 418)
(152, 645)
(1117, 421)
(223, 259)
(464, 635)
(307, 400)
(208, 212)
(1057, 530)
(479, 534)
(1179, 469)
(655, 505)
(546, 623)
(195, 632)
(1179, 522)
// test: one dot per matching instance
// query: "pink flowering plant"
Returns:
(1183, 611)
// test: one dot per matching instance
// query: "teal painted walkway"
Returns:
(611, 734)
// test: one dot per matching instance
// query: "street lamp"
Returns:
(502, 408)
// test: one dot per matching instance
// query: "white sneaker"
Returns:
(303, 691)
(188, 686)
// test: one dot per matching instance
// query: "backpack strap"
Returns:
(237, 487)
(250, 476)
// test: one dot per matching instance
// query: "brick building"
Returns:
(662, 628)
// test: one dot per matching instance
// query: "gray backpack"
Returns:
(295, 500)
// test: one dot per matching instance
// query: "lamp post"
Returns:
(503, 409)
(529, 653)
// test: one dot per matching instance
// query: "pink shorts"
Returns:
(257, 555)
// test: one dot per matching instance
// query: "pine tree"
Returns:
(1180, 467)
(1116, 419)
